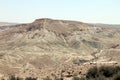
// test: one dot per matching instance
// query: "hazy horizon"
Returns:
(94, 11)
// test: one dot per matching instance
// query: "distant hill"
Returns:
(6, 24)
(47, 45)
(108, 25)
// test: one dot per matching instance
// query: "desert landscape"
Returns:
(57, 48)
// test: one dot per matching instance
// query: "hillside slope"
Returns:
(48, 44)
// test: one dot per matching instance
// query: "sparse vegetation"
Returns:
(30, 78)
(94, 73)
(14, 78)
(18, 78)
(117, 76)
(105, 71)
(102, 73)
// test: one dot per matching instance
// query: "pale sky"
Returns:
(92, 11)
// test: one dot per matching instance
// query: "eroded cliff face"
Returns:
(49, 44)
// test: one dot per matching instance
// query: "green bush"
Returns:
(117, 76)
(30, 78)
(117, 69)
(107, 71)
(103, 73)
(92, 73)
(12, 77)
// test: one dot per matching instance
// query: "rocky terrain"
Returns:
(48, 46)
(6, 25)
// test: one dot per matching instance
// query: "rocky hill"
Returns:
(47, 45)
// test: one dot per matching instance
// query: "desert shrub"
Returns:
(92, 73)
(116, 76)
(30, 78)
(117, 69)
(107, 71)
(12, 77)
(103, 73)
